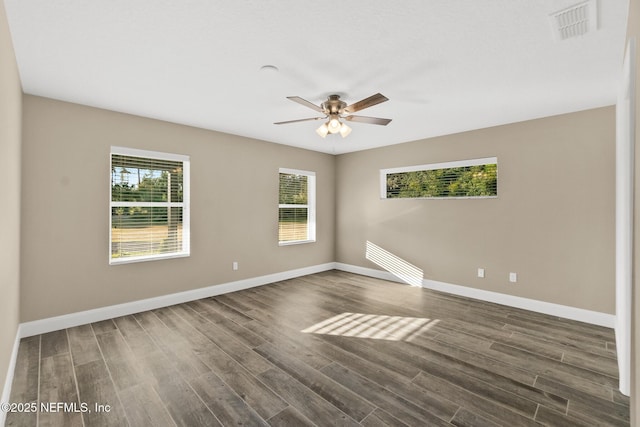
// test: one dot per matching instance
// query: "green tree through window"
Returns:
(296, 206)
(149, 203)
(480, 180)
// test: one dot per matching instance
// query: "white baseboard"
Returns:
(81, 318)
(51, 324)
(564, 311)
(6, 390)
(364, 271)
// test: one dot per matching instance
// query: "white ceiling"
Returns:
(446, 65)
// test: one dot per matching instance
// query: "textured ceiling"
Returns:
(446, 66)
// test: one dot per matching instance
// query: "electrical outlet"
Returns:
(513, 277)
(235, 265)
(481, 273)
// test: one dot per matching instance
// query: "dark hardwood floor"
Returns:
(330, 349)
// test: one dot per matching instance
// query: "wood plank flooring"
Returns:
(329, 349)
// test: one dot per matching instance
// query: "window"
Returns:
(475, 178)
(149, 206)
(297, 207)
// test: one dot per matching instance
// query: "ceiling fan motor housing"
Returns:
(333, 105)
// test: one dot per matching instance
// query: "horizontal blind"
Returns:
(137, 179)
(147, 207)
(462, 181)
(293, 189)
(296, 207)
(293, 209)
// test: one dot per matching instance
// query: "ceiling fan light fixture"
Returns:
(323, 130)
(334, 125)
(344, 130)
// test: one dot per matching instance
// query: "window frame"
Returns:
(185, 204)
(310, 206)
(434, 166)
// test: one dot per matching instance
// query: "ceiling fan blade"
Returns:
(305, 103)
(369, 120)
(300, 120)
(366, 103)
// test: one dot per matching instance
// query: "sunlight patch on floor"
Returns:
(373, 326)
(395, 265)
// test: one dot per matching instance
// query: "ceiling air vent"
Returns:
(575, 20)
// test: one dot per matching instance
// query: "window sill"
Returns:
(439, 198)
(130, 260)
(295, 242)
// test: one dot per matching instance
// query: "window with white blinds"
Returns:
(475, 178)
(149, 207)
(297, 207)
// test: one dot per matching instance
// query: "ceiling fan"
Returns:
(335, 109)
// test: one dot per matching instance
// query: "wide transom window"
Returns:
(296, 207)
(149, 205)
(475, 178)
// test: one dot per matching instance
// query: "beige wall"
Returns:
(234, 214)
(552, 223)
(10, 112)
(556, 178)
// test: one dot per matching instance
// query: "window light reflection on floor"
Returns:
(395, 265)
(373, 326)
